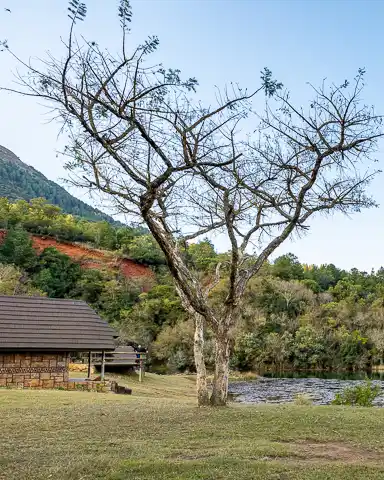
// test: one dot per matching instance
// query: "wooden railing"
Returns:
(118, 358)
(121, 358)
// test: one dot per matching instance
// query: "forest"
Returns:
(293, 316)
(21, 181)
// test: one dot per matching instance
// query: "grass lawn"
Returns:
(158, 433)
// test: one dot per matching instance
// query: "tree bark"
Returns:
(220, 382)
(201, 372)
(198, 349)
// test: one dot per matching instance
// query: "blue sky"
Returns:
(219, 41)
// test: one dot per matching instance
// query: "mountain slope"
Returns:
(20, 181)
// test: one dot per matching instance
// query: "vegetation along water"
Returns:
(320, 388)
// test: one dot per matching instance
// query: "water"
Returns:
(327, 375)
(321, 387)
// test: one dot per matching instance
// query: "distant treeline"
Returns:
(294, 316)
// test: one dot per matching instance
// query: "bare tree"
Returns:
(187, 170)
(4, 43)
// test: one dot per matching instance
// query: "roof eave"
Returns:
(56, 350)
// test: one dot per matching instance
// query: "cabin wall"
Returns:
(36, 370)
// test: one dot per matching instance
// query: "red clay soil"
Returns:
(133, 269)
(90, 258)
(76, 252)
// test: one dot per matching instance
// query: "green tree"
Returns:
(104, 235)
(17, 249)
(202, 255)
(158, 308)
(5, 209)
(308, 348)
(354, 348)
(174, 346)
(288, 267)
(56, 274)
(281, 297)
(277, 349)
(90, 286)
(117, 298)
(13, 281)
(144, 249)
(311, 285)
(248, 350)
(325, 276)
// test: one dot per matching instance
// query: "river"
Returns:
(282, 388)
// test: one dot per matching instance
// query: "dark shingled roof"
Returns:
(51, 324)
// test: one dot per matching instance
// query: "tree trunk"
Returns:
(220, 382)
(201, 372)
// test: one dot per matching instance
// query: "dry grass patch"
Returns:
(336, 452)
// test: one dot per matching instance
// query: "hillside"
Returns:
(94, 259)
(91, 258)
(21, 181)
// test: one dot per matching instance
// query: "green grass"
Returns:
(158, 433)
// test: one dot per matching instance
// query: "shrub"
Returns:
(56, 274)
(17, 249)
(303, 399)
(361, 395)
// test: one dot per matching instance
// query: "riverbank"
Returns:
(318, 390)
(158, 433)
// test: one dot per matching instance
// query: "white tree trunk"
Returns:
(201, 372)
(220, 382)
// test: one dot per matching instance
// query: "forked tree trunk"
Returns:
(220, 381)
(201, 372)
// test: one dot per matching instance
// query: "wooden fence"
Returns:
(119, 357)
